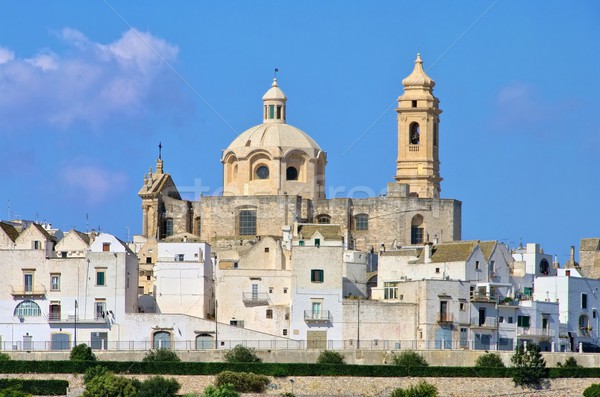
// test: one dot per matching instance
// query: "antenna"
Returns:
(87, 222)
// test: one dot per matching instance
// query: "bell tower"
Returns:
(418, 163)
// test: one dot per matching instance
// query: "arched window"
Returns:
(161, 340)
(361, 222)
(291, 174)
(324, 219)
(262, 172)
(168, 227)
(27, 309)
(204, 341)
(60, 341)
(414, 136)
(416, 230)
(247, 222)
(544, 267)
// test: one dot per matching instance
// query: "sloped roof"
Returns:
(10, 231)
(403, 252)
(449, 252)
(41, 229)
(487, 247)
(329, 232)
(590, 244)
(85, 237)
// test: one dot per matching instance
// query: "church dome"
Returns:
(418, 77)
(279, 135)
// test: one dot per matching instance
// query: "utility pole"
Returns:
(75, 326)
(358, 325)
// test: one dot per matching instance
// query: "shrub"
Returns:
(530, 366)
(243, 382)
(331, 357)
(489, 360)
(157, 386)
(161, 355)
(4, 357)
(421, 389)
(82, 352)
(13, 393)
(592, 391)
(287, 394)
(410, 358)
(241, 354)
(570, 362)
(220, 391)
(109, 385)
(26, 387)
(92, 372)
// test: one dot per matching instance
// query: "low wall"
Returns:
(459, 358)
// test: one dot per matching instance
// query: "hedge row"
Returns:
(36, 387)
(278, 369)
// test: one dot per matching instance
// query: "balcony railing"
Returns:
(322, 316)
(488, 322)
(33, 291)
(70, 319)
(255, 299)
(481, 297)
(445, 318)
(528, 331)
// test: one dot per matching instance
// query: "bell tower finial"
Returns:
(274, 109)
(159, 162)
(160, 150)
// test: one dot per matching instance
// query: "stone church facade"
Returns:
(274, 177)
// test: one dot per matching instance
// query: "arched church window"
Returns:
(414, 134)
(247, 223)
(416, 230)
(361, 222)
(168, 227)
(544, 267)
(291, 174)
(262, 172)
(324, 219)
(161, 340)
(27, 309)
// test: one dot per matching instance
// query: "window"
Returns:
(477, 266)
(414, 134)
(501, 319)
(584, 323)
(414, 104)
(544, 267)
(285, 290)
(270, 290)
(390, 290)
(100, 309)
(266, 250)
(278, 112)
(584, 301)
(316, 275)
(285, 332)
(247, 222)
(28, 281)
(416, 230)
(361, 222)
(567, 273)
(523, 321)
(324, 219)
(437, 270)
(149, 259)
(237, 323)
(269, 313)
(54, 311)
(271, 111)
(37, 245)
(262, 172)
(316, 310)
(100, 277)
(27, 309)
(105, 247)
(179, 257)
(462, 306)
(435, 134)
(169, 227)
(161, 340)
(317, 242)
(510, 320)
(291, 174)
(63, 254)
(55, 282)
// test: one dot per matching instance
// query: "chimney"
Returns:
(572, 257)
(427, 252)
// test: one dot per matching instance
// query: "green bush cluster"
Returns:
(221, 391)
(409, 358)
(421, 389)
(82, 352)
(243, 382)
(100, 382)
(50, 387)
(241, 354)
(489, 360)
(4, 357)
(331, 357)
(570, 362)
(592, 391)
(529, 366)
(162, 355)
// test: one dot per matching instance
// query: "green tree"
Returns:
(109, 385)
(489, 360)
(158, 386)
(421, 389)
(570, 362)
(92, 372)
(530, 366)
(82, 352)
(331, 357)
(241, 354)
(410, 358)
(243, 382)
(220, 391)
(4, 357)
(161, 355)
(592, 391)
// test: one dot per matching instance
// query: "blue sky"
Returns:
(88, 89)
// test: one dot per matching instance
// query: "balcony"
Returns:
(482, 297)
(55, 318)
(445, 318)
(255, 298)
(323, 316)
(37, 291)
(488, 322)
(535, 332)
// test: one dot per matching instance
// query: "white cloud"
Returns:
(94, 83)
(93, 184)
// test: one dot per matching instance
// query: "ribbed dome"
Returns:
(273, 135)
(418, 77)
(274, 93)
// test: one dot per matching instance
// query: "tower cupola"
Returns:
(274, 104)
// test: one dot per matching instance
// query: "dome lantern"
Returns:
(274, 104)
